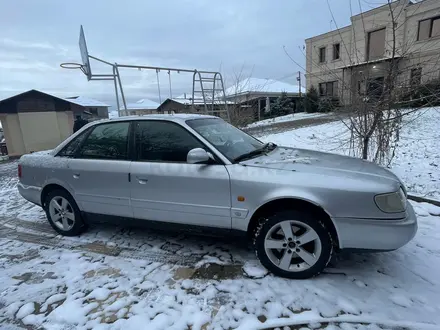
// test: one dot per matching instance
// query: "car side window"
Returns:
(70, 149)
(161, 141)
(107, 141)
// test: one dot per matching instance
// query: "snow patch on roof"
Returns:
(86, 102)
(198, 100)
(262, 85)
(141, 105)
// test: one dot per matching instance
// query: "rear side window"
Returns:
(70, 149)
(107, 141)
(161, 141)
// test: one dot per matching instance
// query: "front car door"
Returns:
(166, 188)
(99, 171)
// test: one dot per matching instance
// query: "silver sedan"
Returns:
(199, 173)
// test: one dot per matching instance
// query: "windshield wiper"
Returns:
(265, 148)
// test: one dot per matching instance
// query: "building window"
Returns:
(359, 87)
(93, 111)
(435, 29)
(416, 77)
(375, 88)
(429, 28)
(328, 88)
(322, 55)
(336, 51)
(322, 89)
(376, 44)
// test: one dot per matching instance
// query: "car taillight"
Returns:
(19, 171)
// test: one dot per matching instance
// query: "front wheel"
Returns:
(293, 244)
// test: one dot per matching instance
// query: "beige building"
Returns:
(34, 121)
(354, 60)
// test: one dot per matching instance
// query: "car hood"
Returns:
(310, 161)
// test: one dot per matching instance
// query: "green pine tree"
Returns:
(311, 101)
(282, 106)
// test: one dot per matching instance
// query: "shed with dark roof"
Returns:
(34, 121)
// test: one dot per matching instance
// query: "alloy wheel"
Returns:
(62, 213)
(292, 246)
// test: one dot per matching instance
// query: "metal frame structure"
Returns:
(211, 95)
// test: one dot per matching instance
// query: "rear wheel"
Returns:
(63, 214)
(293, 244)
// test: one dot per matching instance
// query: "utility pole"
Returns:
(299, 87)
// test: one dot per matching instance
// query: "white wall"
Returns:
(13, 136)
(35, 131)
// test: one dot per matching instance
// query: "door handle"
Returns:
(76, 176)
(142, 180)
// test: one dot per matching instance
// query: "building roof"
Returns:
(86, 102)
(10, 104)
(328, 33)
(362, 15)
(186, 101)
(197, 100)
(31, 91)
(258, 85)
(143, 104)
(382, 7)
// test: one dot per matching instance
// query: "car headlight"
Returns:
(391, 203)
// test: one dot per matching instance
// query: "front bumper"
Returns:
(381, 235)
(30, 193)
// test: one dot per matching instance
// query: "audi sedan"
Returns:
(199, 173)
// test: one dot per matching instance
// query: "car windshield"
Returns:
(229, 140)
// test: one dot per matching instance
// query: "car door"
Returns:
(99, 171)
(164, 187)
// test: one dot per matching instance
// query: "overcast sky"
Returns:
(36, 36)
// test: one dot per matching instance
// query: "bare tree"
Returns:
(377, 93)
(241, 108)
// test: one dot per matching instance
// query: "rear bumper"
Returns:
(30, 193)
(380, 235)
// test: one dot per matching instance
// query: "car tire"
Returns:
(63, 213)
(293, 255)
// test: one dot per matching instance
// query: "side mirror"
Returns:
(197, 156)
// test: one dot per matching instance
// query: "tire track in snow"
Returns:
(42, 234)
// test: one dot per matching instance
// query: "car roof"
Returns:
(180, 117)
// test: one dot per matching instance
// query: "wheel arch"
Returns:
(294, 203)
(51, 187)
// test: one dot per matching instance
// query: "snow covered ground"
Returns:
(291, 117)
(120, 278)
(100, 281)
(417, 159)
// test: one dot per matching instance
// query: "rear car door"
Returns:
(166, 188)
(99, 171)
